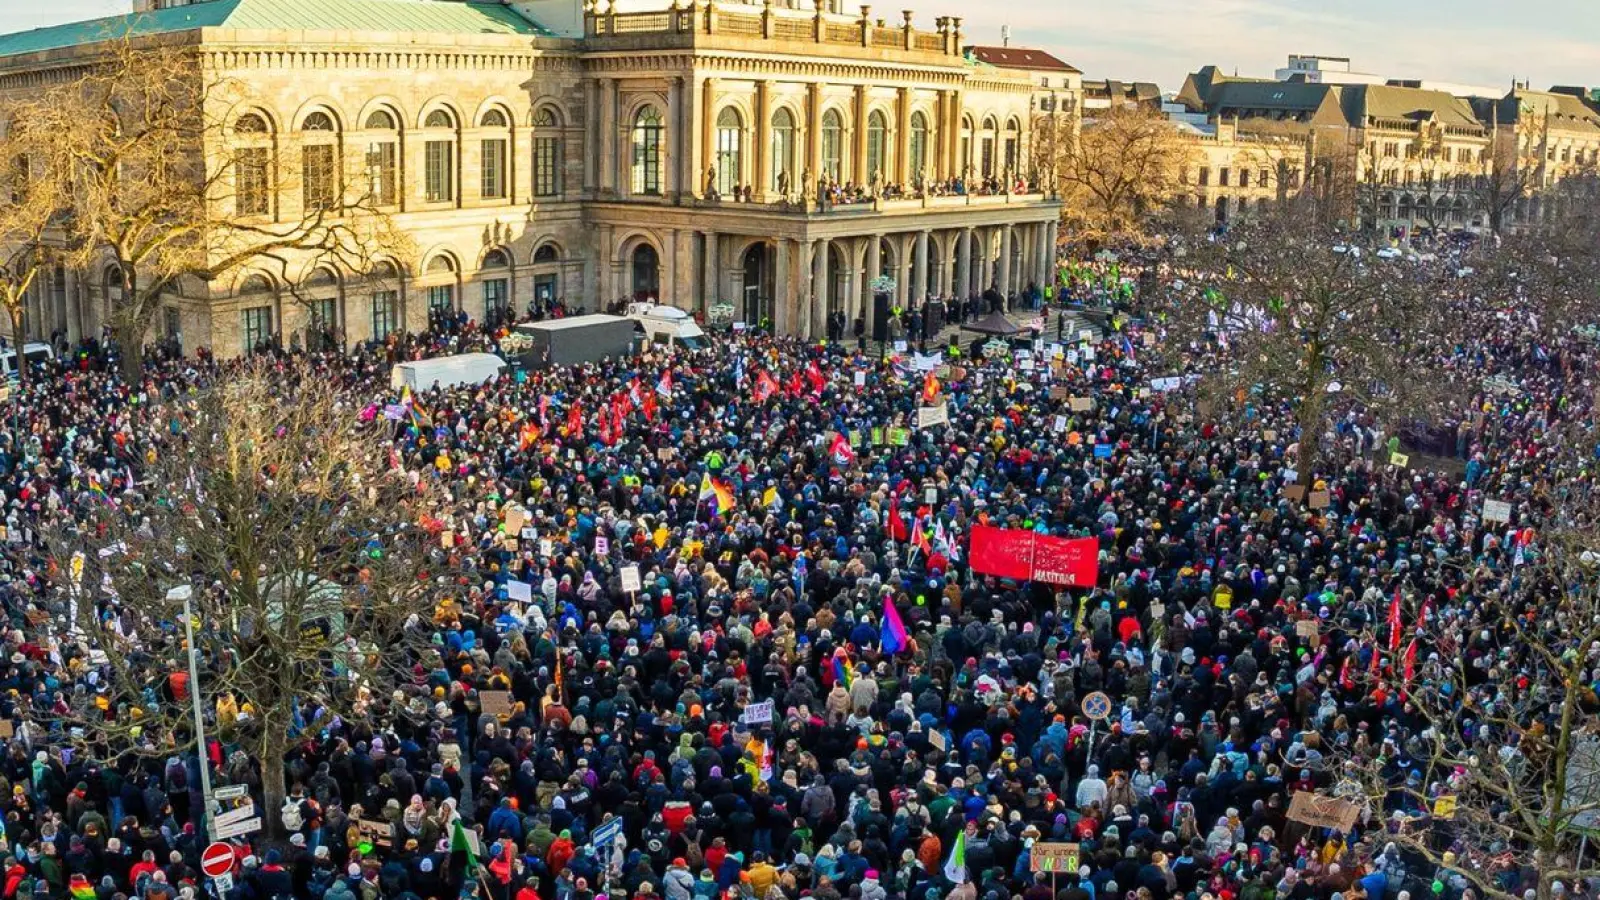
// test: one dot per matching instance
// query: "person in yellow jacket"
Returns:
(763, 875)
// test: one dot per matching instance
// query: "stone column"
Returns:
(801, 274)
(874, 267)
(817, 321)
(943, 284)
(591, 135)
(902, 271)
(963, 264)
(813, 138)
(919, 276)
(603, 286)
(902, 137)
(1047, 253)
(610, 135)
(1005, 261)
(783, 287)
(952, 134)
(708, 146)
(763, 151)
(858, 151)
(710, 272)
(853, 285)
(1027, 243)
(675, 139)
(683, 269)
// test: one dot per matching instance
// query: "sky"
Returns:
(1483, 43)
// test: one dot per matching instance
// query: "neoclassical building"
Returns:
(781, 158)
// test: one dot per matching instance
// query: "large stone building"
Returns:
(779, 158)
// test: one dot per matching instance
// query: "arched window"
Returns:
(442, 293)
(646, 265)
(919, 145)
(495, 152)
(647, 134)
(319, 162)
(255, 301)
(833, 145)
(320, 295)
(383, 158)
(877, 145)
(547, 253)
(496, 283)
(783, 150)
(386, 309)
(546, 154)
(1013, 142)
(439, 157)
(252, 166)
(986, 148)
(966, 146)
(730, 150)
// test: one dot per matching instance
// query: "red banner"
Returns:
(1028, 556)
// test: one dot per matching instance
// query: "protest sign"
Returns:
(929, 416)
(376, 832)
(1496, 511)
(1081, 404)
(1025, 555)
(495, 703)
(1318, 811)
(1054, 857)
(758, 713)
(630, 579)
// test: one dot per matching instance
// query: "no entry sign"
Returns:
(218, 860)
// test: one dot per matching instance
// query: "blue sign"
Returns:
(1103, 451)
(606, 833)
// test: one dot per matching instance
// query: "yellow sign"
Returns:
(1399, 459)
(1444, 806)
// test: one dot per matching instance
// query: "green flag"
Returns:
(465, 841)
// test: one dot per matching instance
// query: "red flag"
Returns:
(930, 389)
(796, 385)
(1411, 660)
(528, 437)
(919, 537)
(634, 393)
(841, 450)
(897, 528)
(664, 386)
(1394, 622)
(574, 421)
(1345, 681)
(544, 411)
(649, 406)
(765, 387)
(814, 373)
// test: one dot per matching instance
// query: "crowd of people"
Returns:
(812, 692)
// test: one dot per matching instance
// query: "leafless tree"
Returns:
(147, 142)
(1121, 170)
(1302, 312)
(300, 542)
(28, 207)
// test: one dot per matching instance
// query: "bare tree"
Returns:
(1304, 313)
(28, 205)
(1121, 169)
(1508, 177)
(299, 540)
(145, 141)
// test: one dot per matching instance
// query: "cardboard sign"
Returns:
(936, 740)
(1307, 628)
(630, 579)
(1318, 811)
(1054, 857)
(929, 416)
(1496, 511)
(1318, 500)
(495, 703)
(1081, 404)
(1060, 392)
(378, 832)
(8, 729)
(1295, 492)
(665, 454)
(515, 517)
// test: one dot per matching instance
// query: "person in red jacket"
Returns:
(561, 852)
(145, 866)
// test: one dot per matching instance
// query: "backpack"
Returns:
(292, 820)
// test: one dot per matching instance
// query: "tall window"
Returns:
(730, 150)
(383, 159)
(919, 144)
(1012, 141)
(492, 167)
(986, 149)
(252, 167)
(385, 313)
(783, 149)
(647, 151)
(966, 147)
(257, 327)
(546, 155)
(496, 284)
(442, 298)
(439, 159)
(877, 144)
(832, 145)
(319, 162)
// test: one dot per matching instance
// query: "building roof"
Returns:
(1020, 58)
(426, 16)
(1197, 88)
(1376, 101)
(1565, 111)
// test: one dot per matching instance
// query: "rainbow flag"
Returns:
(892, 633)
(842, 670)
(711, 488)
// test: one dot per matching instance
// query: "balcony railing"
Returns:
(776, 23)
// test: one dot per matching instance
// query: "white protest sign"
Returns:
(630, 579)
(520, 591)
(929, 416)
(758, 713)
(1496, 511)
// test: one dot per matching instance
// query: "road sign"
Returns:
(605, 834)
(224, 819)
(235, 829)
(231, 791)
(217, 860)
(1097, 706)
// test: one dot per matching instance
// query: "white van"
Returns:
(667, 325)
(447, 371)
(34, 352)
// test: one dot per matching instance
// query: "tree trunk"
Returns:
(130, 341)
(18, 339)
(272, 787)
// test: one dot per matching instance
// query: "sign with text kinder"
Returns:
(1029, 556)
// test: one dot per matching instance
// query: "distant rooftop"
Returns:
(423, 16)
(1020, 58)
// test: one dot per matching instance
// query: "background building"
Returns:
(773, 158)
